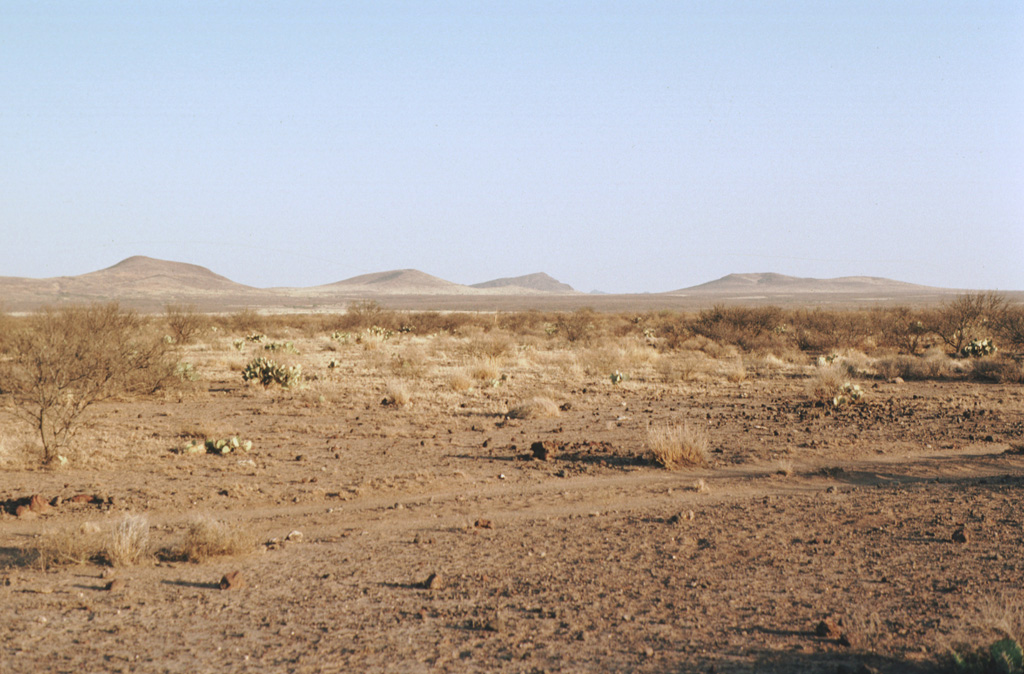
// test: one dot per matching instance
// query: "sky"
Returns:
(639, 146)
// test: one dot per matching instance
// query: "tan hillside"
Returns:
(398, 282)
(539, 282)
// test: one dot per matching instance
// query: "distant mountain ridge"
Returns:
(150, 284)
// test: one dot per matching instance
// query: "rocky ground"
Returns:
(427, 537)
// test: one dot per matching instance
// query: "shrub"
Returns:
(534, 408)
(65, 360)
(72, 546)
(396, 394)
(677, 446)
(959, 320)
(184, 322)
(129, 541)
(268, 372)
(206, 538)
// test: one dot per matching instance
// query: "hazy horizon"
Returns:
(638, 147)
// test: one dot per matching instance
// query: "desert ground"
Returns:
(496, 496)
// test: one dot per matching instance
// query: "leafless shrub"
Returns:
(678, 446)
(129, 541)
(827, 382)
(535, 408)
(966, 317)
(65, 360)
(184, 322)
(207, 538)
(576, 326)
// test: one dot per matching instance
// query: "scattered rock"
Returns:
(483, 524)
(84, 498)
(433, 582)
(295, 536)
(38, 504)
(23, 512)
(543, 451)
(117, 585)
(828, 628)
(960, 535)
(681, 517)
(232, 580)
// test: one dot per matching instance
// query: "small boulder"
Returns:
(116, 585)
(828, 628)
(232, 580)
(543, 451)
(38, 504)
(960, 535)
(433, 582)
(23, 512)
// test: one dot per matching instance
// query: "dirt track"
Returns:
(588, 562)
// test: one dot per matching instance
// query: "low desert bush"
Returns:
(831, 385)
(70, 546)
(129, 541)
(460, 381)
(184, 322)
(537, 407)
(62, 361)
(1001, 370)
(206, 538)
(396, 394)
(678, 445)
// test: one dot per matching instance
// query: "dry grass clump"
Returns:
(206, 538)
(484, 369)
(71, 546)
(396, 394)
(827, 382)
(129, 541)
(1001, 370)
(678, 446)
(460, 381)
(537, 407)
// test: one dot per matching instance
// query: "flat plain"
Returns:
(479, 492)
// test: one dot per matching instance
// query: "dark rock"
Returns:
(543, 451)
(960, 535)
(39, 504)
(232, 580)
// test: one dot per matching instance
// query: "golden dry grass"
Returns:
(207, 538)
(128, 543)
(678, 446)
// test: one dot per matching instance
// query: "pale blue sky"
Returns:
(622, 146)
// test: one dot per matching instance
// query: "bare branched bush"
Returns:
(966, 317)
(1010, 327)
(678, 445)
(62, 361)
(184, 322)
(207, 538)
(577, 326)
(129, 541)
